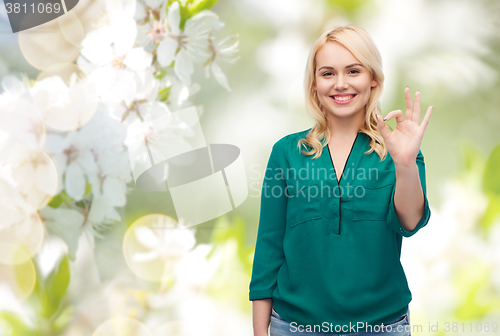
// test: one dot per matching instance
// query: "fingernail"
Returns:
(384, 119)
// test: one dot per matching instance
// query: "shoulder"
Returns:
(291, 139)
(285, 145)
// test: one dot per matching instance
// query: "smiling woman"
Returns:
(333, 259)
(341, 80)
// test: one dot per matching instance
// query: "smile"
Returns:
(343, 100)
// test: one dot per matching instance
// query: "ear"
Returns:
(314, 87)
(374, 83)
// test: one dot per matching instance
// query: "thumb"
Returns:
(382, 127)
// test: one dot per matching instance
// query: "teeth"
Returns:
(343, 98)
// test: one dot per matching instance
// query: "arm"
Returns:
(409, 197)
(269, 255)
(409, 209)
(261, 310)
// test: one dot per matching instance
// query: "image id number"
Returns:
(17, 7)
(473, 327)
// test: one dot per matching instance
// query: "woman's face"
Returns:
(343, 84)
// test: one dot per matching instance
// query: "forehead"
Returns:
(335, 55)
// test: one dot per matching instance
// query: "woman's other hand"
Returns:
(261, 310)
(404, 142)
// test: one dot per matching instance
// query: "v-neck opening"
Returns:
(346, 161)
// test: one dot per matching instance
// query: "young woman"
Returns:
(327, 256)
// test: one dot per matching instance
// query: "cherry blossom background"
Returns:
(83, 251)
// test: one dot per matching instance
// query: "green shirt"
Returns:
(328, 250)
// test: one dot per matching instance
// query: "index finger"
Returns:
(409, 104)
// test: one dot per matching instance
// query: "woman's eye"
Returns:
(353, 71)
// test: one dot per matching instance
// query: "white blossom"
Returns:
(148, 5)
(117, 80)
(146, 94)
(65, 107)
(114, 59)
(193, 42)
(14, 88)
(30, 174)
(120, 30)
(224, 50)
(94, 154)
(68, 224)
(179, 93)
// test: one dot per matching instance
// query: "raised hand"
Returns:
(404, 142)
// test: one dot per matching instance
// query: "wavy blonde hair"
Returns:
(361, 45)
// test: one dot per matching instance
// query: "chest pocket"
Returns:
(304, 203)
(371, 203)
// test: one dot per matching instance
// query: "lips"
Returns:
(344, 95)
(343, 100)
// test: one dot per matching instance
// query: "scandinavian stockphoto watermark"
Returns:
(310, 182)
(474, 327)
(205, 180)
(349, 328)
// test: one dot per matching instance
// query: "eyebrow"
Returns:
(332, 68)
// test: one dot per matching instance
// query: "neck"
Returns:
(346, 128)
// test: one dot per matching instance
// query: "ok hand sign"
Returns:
(404, 142)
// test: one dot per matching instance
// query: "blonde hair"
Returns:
(361, 45)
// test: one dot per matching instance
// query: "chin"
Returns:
(345, 113)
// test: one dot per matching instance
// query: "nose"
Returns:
(341, 84)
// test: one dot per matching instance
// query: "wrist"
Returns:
(404, 165)
(403, 169)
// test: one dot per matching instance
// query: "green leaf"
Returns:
(88, 188)
(19, 328)
(182, 9)
(189, 8)
(56, 201)
(45, 300)
(491, 178)
(160, 74)
(56, 285)
(63, 319)
(58, 280)
(163, 94)
(184, 16)
(491, 213)
(200, 6)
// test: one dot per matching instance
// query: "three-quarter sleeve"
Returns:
(392, 218)
(269, 255)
